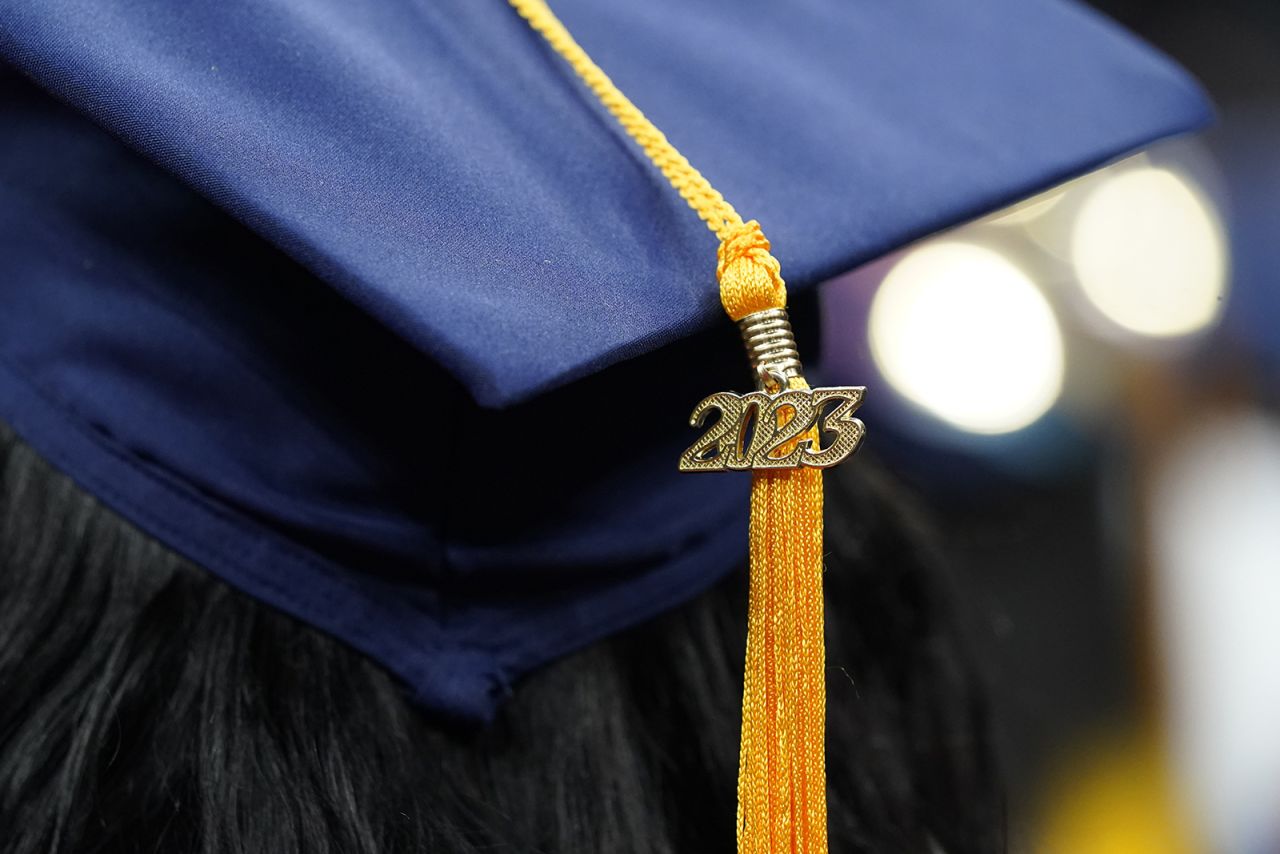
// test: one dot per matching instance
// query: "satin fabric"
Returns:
(367, 308)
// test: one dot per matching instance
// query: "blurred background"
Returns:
(1084, 388)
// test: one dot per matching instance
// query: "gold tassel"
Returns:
(782, 804)
(782, 785)
(782, 798)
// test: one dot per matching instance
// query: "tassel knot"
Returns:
(750, 277)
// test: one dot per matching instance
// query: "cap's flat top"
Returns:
(439, 166)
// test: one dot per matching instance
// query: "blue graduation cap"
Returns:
(279, 277)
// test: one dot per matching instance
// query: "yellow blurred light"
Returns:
(1150, 253)
(1119, 797)
(960, 331)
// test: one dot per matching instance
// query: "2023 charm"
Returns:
(776, 426)
(759, 430)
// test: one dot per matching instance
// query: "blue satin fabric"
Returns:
(281, 279)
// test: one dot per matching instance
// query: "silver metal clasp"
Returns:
(771, 347)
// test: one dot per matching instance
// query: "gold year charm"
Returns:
(759, 430)
(775, 427)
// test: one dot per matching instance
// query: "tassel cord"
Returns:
(782, 770)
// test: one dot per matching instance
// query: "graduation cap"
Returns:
(376, 312)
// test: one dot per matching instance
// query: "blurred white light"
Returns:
(1031, 209)
(1150, 253)
(959, 330)
(1217, 554)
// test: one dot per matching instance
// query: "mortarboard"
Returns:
(374, 311)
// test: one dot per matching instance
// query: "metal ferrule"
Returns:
(771, 346)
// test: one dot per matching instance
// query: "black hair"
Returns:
(147, 707)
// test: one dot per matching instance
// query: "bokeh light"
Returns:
(1217, 554)
(1150, 253)
(1031, 209)
(959, 330)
